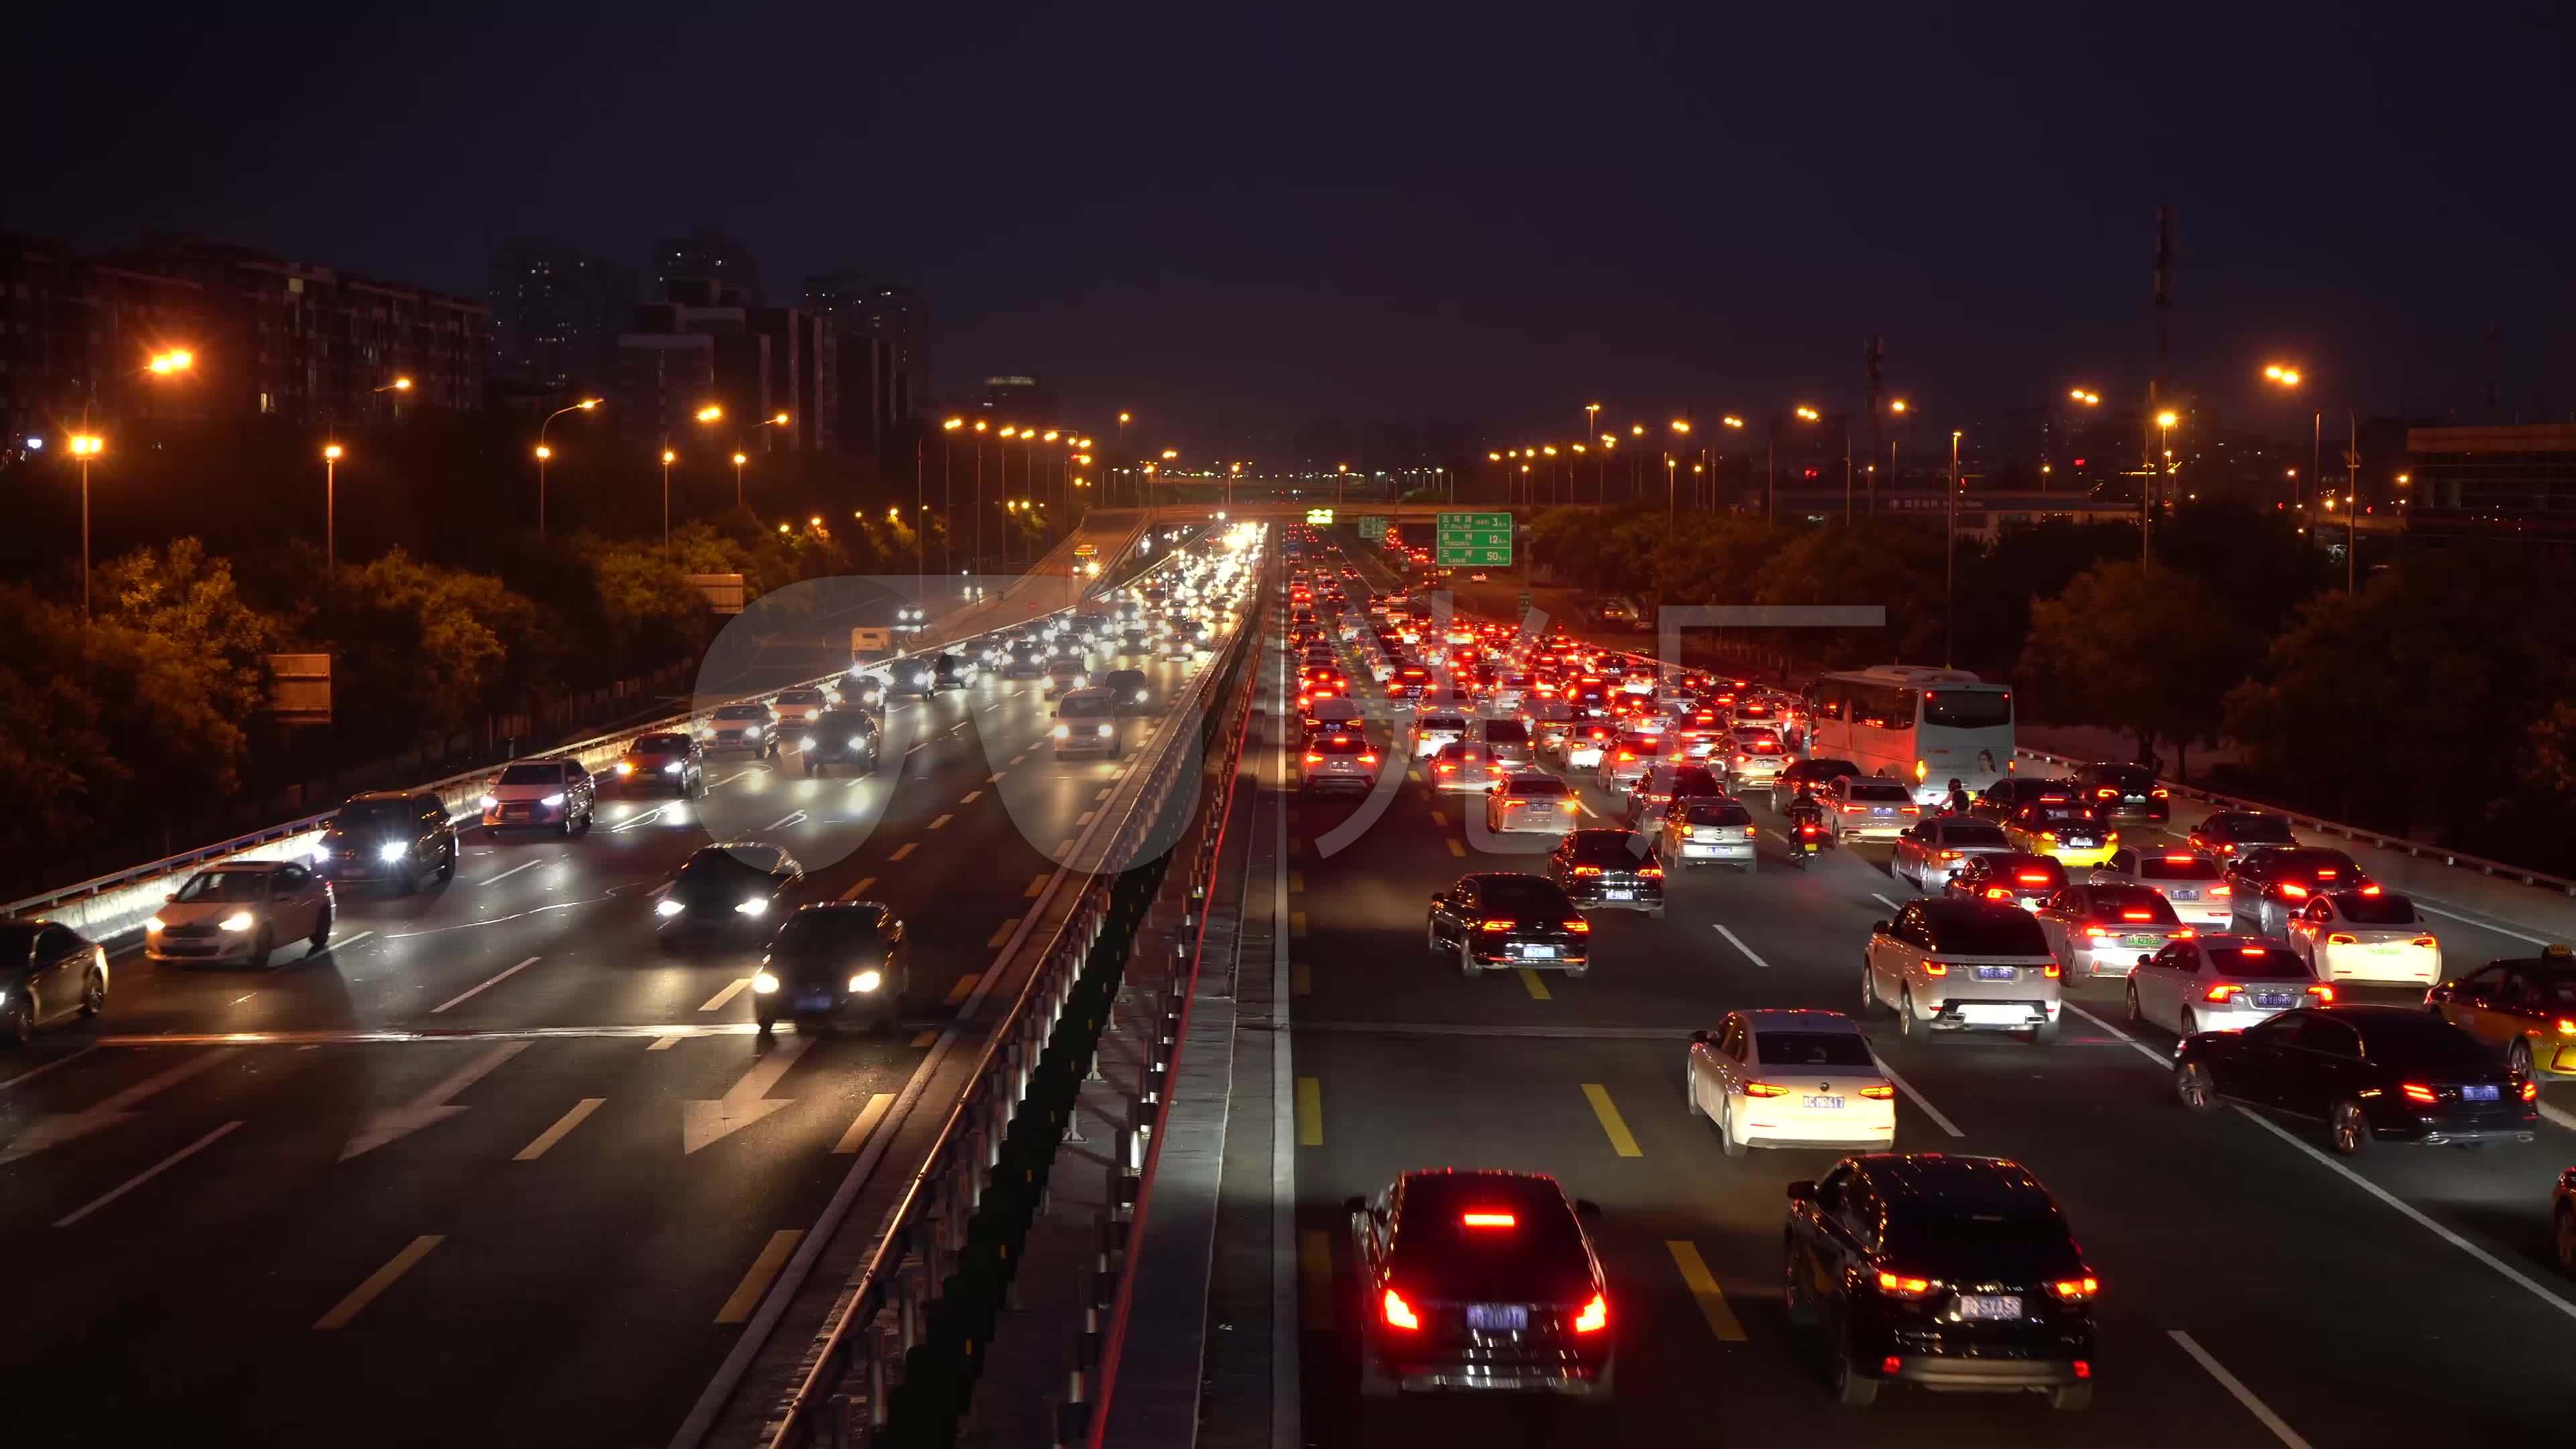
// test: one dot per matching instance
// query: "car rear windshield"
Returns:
(1969, 836)
(742, 711)
(2177, 867)
(2381, 910)
(1996, 933)
(1812, 1049)
(1547, 785)
(2257, 963)
(2006, 1246)
(1341, 745)
(2314, 865)
(1883, 791)
(225, 885)
(662, 744)
(1073, 708)
(2422, 1044)
(1455, 723)
(1505, 732)
(535, 774)
(2243, 828)
(1524, 893)
(1539, 1257)
(2116, 905)
(1718, 812)
(1962, 709)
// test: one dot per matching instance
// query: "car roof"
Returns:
(2237, 941)
(248, 867)
(1798, 1018)
(372, 795)
(1437, 1187)
(1939, 908)
(1955, 1180)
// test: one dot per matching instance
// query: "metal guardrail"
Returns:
(887, 1313)
(116, 904)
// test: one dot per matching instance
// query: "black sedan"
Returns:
(1964, 1278)
(2226, 832)
(1481, 1281)
(2368, 1073)
(2124, 792)
(2023, 879)
(742, 885)
(830, 961)
(1609, 869)
(1496, 920)
(846, 737)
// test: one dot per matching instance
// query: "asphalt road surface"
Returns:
(2256, 1289)
(500, 1166)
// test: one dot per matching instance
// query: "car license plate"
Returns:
(1994, 1014)
(2478, 1094)
(2387, 949)
(2182, 893)
(1882, 810)
(1989, 1306)
(1824, 1104)
(1538, 953)
(1618, 895)
(1997, 973)
(1497, 1317)
(814, 1001)
(2140, 941)
(2272, 999)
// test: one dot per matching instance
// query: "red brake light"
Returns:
(2251, 951)
(1398, 1313)
(2323, 993)
(1488, 1220)
(2137, 915)
(1936, 968)
(2105, 794)
(2294, 890)
(2370, 890)
(2417, 1092)
(1594, 1317)
(2097, 930)
(2052, 971)
(2031, 877)
(1368, 759)
(2220, 992)
(1898, 1285)
(1765, 1089)
(1496, 925)
(1653, 871)
(2531, 1091)
(1998, 893)
(2076, 1290)
(1578, 926)
(2221, 890)
(2178, 860)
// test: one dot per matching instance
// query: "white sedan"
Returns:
(2220, 983)
(2358, 936)
(1791, 1078)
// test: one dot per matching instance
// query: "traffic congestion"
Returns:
(1973, 1006)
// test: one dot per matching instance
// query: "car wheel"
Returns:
(411, 878)
(1869, 1002)
(1906, 1026)
(18, 1019)
(766, 1024)
(260, 949)
(2186, 1024)
(563, 828)
(2517, 1058)
(93, 993)
(1727, 1141)
(2071, 1398)
(2563, 1235)
(1794, 1302)
(2136, 1017)
(2195, 1088)
(2044, 1034)
(2349, 1129)
(447, 866)
(1852, 1388)
(1431, 939)
(1467, 966)
(321, 936)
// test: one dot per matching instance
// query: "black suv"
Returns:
(2124, 792)
(1957, 1273)
(1609, 868)
(833, 959)
(842, 737)
(387, 835)
(1480, 1280)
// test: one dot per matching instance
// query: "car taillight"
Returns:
(2105, 794)
(2161, 793)
(2417, 1092)
(1899, 1285)
(2342, 938)
(1936, 968)
(1397, 1312)
(1879, 1093)
(1314, 759)
(2097, 932)
(2075, 1290)
(2217, 891)
(2323, 993)
(1368, 759)
(1765, 1089)
(1952, 854)
(1578, 926)
(2531, 1091)
(1655, 872)
(1594, 1316)
(1488, 1220)
(2051, 970)
(1496, 925)
(2294, 890)
(2221, 992)
(2426, 942)
(2031, 877)
(1448, 769)
(1850, 809)
(1998, 893)
(1909, 809)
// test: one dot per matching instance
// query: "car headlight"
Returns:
(392, 850)
(1064, 732)
(1140, 696)
(849, 744)
(1104, 732)
(1082, 681)
(922, 677)
(321, 853)
(491, 802)
(667, 907)
(751, 732)
(867, 981)
(626, 767)
(672, 768)
(706, 732)
(764, 983)
(753, 907)
(240, 921)
(152, 925)
(553, 801)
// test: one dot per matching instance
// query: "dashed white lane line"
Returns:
(717, 1001)
(2481, 925)
(2135, 1045)
(146, 1175)
(1919, 1100)
(736, 775)
(1884, 901)
(1085, 817)
(1738, 943)
(1103, 795)
(2228, 1381)
(783, 821)
(476, 990)
(514, 870)
(340, 943)
(2510, 1273)
(34, 1072)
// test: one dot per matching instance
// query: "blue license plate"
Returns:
(1996, 973)
(1497, 1317)
(814, 1001)
(2478, 1094)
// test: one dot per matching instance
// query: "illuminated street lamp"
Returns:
(166, 364)
(2088, 399)
(738, 460)
(2286, 379)
(330, 508)
(668, 458)
(710, 413)
(544, 452)
(85, 446)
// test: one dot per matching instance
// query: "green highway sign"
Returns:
(1372, 526)
(1473, 540)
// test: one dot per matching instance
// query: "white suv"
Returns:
(1963, 965)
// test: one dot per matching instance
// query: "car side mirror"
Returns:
(1588, 1210)
(2144, 959)
(1882, 928)
(1699, 1038)
(172, 896)
(1803, 1190)
(1953, 875)
(1354, 1204)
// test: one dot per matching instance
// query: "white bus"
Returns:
(1923, 726)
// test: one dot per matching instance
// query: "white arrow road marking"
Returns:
(745, 1102)
(53, 1129)
(386, 1124)
(514, 870)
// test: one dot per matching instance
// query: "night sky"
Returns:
(1234, 218)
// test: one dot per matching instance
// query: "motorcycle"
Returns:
(1805, 840)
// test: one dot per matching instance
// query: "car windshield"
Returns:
(375, 814)
(211, 886)
(2265, 828)
(800, 696)
(2423, 1043)
(2257, 963)
(1882, 791)
(2177, 867)
(1964, 709)
(742, 711)
(1547, 785)
(2381, 910)
(2010, 1245)
(1812, 1049)
(1718, 812)
(1967, 836)
(840, 929)
(1998, 933)
(538, 774)
(2132, 905)
(662, 745)
(1525, 893)
(1076, 708)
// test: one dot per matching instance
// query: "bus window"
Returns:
(1967, 709)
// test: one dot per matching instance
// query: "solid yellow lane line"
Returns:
(1537, 989)
(561, 1130)
(1703, 1286)
(1310, 1112)
(1315, 1279)
(378, 1281)
(746, 1295)
(1612, 1123)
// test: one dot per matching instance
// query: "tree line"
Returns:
(2434, 701)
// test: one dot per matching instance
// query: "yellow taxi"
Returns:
(2062, 830)
(2524, 1009)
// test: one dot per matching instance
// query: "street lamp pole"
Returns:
(85, 446)
(330, 509)
(1950, 559)
(544, 452)
(668, 458)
